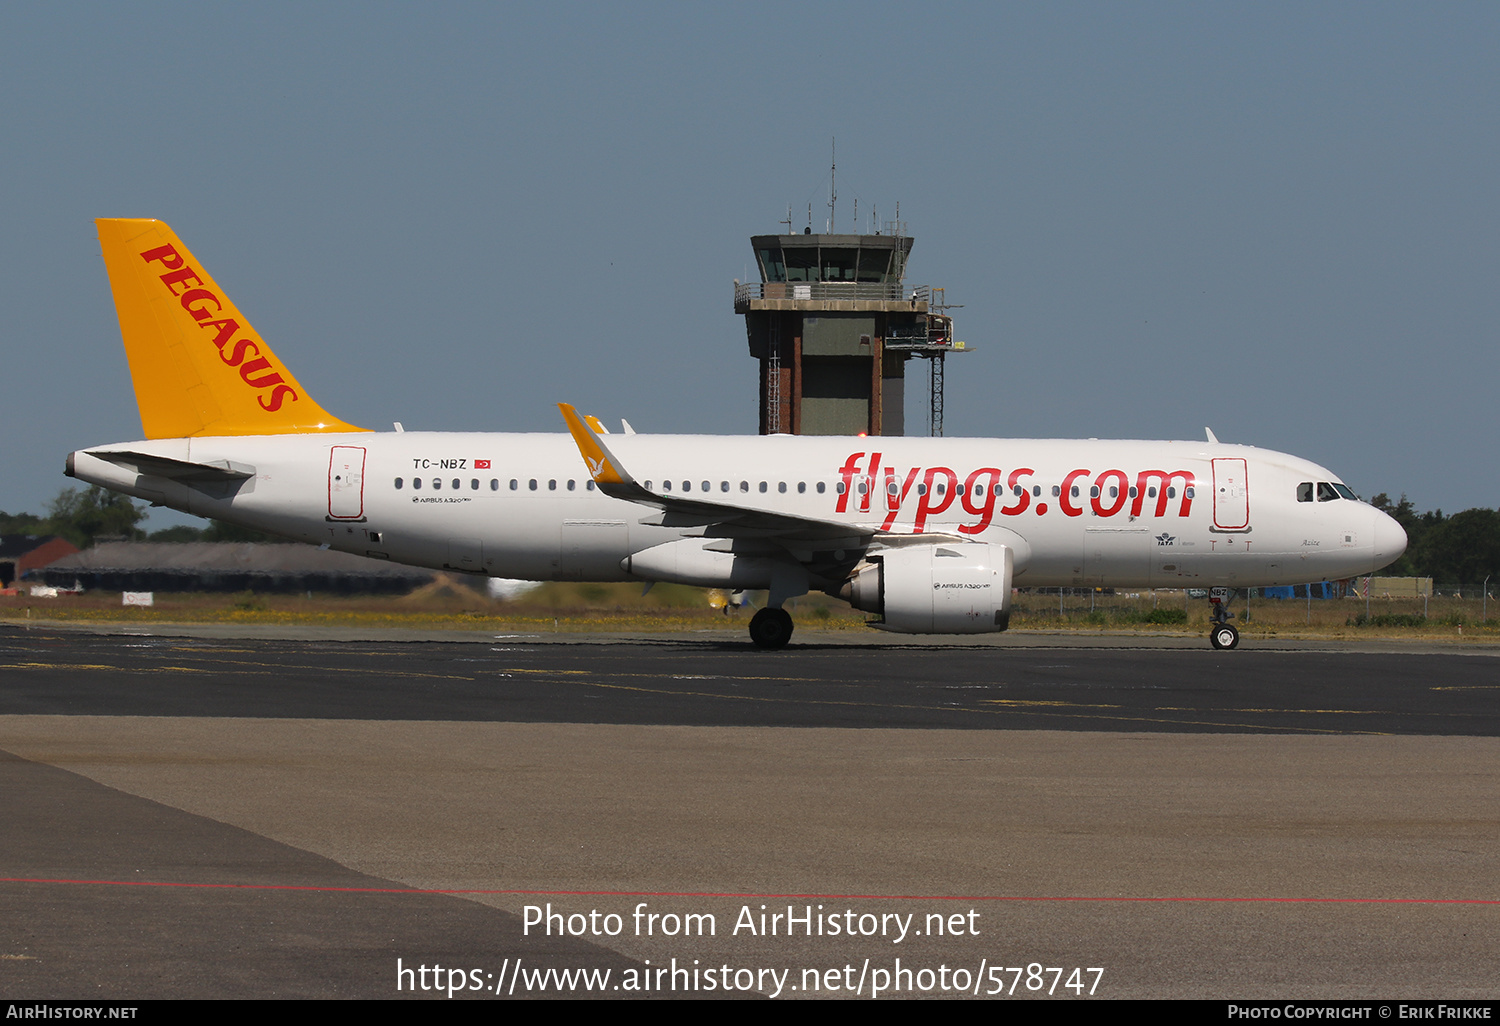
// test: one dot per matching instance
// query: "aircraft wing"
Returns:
(721, 518)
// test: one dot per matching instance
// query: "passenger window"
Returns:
(801, 487)
(996, 488)
(1151, 492)
(781, 487)
(398, 484)
(494, 484)
(416, 482)
(744, 486)
(762, 487)
(1305, 492)
(942, 488)
(723, 486)
(861, 488)
(838, 488)
(707, 486)
(457, 484)
(1094, 492)
(821, 487)
(922, 489)
(1075, 491)
(437, 482)
(1036, 490)
(474, 484)
(589, 484)
(532, 484)
(552, 485)
(1056, 491)
(1018, 491)
(1114, 491)
(570, 484)
(514, 484)
(687, 486)
(892, 487)
(1190, 492)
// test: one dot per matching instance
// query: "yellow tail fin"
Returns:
(198, 366)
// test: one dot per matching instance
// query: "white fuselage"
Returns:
(1074, 513)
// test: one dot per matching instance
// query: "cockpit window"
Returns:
(1326, 492)
(1345, 491)
(1305, 492)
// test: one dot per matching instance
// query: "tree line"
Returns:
(86, 515)
(1458, 552)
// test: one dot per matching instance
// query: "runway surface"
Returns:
(200, 816)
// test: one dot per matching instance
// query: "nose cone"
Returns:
(1390, 540)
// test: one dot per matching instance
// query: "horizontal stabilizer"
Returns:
(176, 470)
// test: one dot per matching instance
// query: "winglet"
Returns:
(1211, 437)
(603, 466)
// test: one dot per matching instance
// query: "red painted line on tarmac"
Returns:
(730, 894)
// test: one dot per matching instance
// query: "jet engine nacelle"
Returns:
(945, 588)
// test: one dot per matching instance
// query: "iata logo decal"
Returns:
(204, 307)
(1165, 539)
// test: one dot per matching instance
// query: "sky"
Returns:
(1277, 220)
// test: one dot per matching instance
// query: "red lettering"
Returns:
(1120, 489)
(255, 366)
(894, 499)
(167, 255)
(277, 398)
(1024, 499)
(226, 329)
(846, 472)
(1067, 493)
(199, 296)
(237, 355)
(1163, 481)
(985, 511)
(182, 277)
(925, 506)
(870, 475)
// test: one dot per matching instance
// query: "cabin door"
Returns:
(1231, 495)
(346, 483)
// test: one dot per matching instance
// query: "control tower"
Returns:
(833, 324)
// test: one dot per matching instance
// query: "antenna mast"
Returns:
(833, 190)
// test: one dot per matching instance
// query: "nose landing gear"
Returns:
(1222, 634)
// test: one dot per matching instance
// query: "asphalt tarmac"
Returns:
(195, 815)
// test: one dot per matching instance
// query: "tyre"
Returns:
(771, 628)
(1224, 636)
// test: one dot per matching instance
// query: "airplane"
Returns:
(931, 535)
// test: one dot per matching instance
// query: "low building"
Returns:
(229, 566)
(21, 554)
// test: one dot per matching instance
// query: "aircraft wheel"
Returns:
(1224, 636)
(771, 628)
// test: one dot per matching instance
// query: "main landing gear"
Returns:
(1222, 634)
(771, 628)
